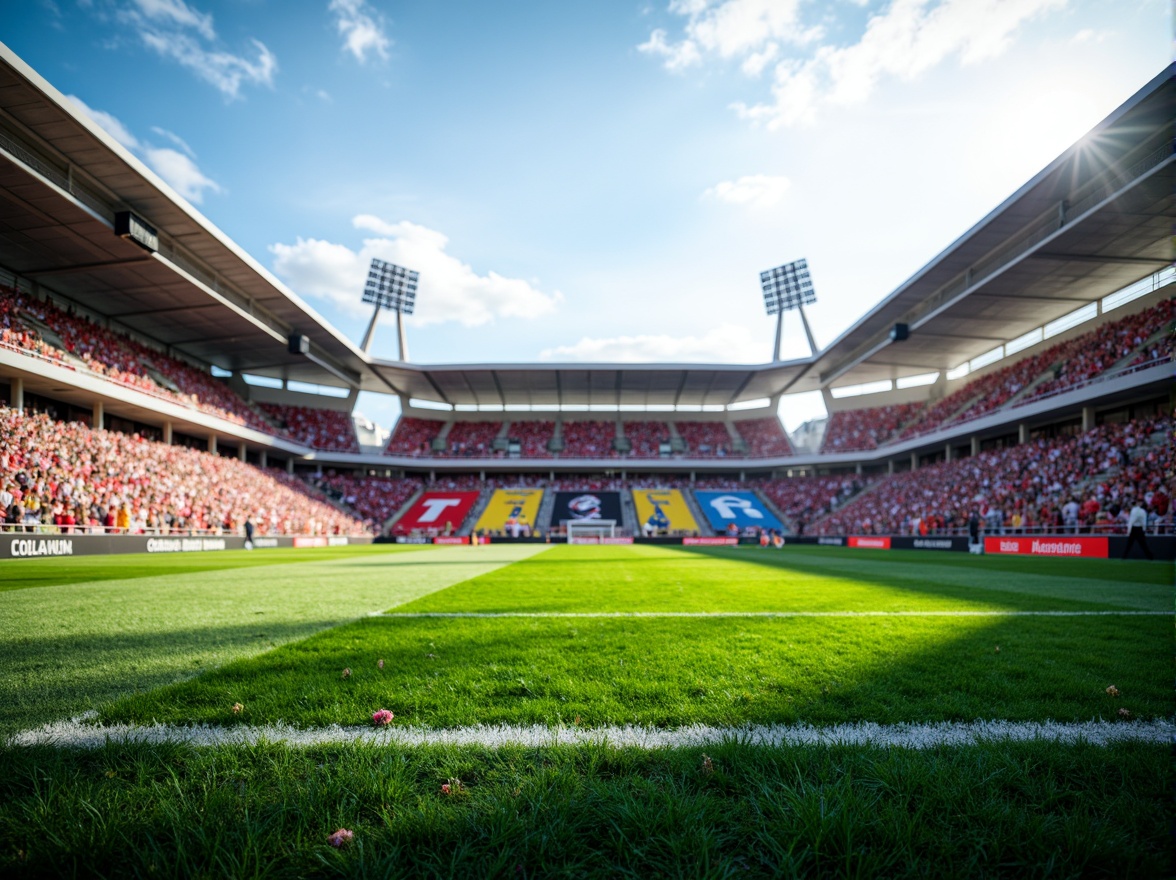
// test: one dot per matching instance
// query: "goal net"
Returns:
(582, 531)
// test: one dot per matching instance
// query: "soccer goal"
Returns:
(589, 531)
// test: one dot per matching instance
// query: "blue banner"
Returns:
(742, 508)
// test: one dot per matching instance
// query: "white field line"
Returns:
(81, 735)
(609, 614)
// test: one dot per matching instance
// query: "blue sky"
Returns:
(594, 181)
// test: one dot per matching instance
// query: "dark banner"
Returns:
(930, 542)
(24, 545)
(585, 507)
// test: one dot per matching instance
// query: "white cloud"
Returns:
(178, 170)
(186, 35)
(726, 343)
(361, 28)
(753, 190)
(449, 289)
(903, 41)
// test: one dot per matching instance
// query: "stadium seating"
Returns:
(471, 439)
(87, 347)
(646, 438)
(856, 430)
(533, 438)
(705, 439)
(413, 436)
(764, 437)
(1103, 469)
(81, 478)
(329, 430)
(374, 499)
(589, 439)
(804, 499)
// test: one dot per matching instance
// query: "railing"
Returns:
(1096, 530)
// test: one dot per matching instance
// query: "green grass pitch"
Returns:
(180, 639)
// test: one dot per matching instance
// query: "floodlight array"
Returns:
(787, 287)
(391, 287)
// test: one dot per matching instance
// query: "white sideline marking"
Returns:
(577, 614)
(80, 735)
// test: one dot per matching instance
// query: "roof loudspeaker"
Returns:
(299, 344)
(900, 332)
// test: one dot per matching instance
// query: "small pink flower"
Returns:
(445, 788)
(341, 837)
(382, 717)
(1113, 691)
(237, 707)
(347, 672)
(380, 664)
(1125, 714)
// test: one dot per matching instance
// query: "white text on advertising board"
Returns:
(42, 547)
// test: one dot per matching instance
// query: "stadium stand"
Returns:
(41, 328)
(592, 439)
(1025, 487)
(805, 499)
(705, 439)
(374, 499)
(857, 430)
(764, 437)
(532, 438)
(1074, 362)
(413, 436)
(646, 438)
(77, 478)
(328, 430)
(471, 439)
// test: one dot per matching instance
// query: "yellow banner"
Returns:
(662, 510)
(510, 504)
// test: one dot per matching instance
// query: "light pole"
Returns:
(390, 287)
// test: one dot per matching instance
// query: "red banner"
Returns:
(1048, 545)
(870, 542)
(707, 542)
(434, 509)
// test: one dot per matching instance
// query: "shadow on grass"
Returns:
(44, 678)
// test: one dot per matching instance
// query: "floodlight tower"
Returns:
(786, 288)
(390, 287)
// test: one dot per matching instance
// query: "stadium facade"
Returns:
(226, 355)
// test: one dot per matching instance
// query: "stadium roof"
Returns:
(1095, 220)
(62, 178)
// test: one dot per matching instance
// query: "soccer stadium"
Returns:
(583, 618)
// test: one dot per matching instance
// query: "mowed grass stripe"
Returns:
(72, 646)
(80, 735)
(674, 672)
(660, 578)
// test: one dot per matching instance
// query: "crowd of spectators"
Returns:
(471, 439)
(67, 476)
(804, 499)
(1072, 363)
(764, 437)
(413, 436)
(374, 499)
(591, 439)
(705, 439)
(118, 358)
(325, 429)
(860, 429)
(1087, 481)
(1104, 348)
(646, 438)
(532, 438)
